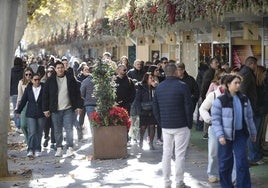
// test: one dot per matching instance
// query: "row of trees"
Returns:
(77, 33)
(34, 19)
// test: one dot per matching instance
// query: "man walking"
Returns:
(206, 81)
(125, 89)
(173, 109)
(190, 81)
(61, 98)
(249, 88)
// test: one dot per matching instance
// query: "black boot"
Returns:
(152, 132)
(45, 144)
(151, 146)
(142, 131)
(79, 133)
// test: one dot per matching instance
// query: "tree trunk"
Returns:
(8, 14)
(21, 22)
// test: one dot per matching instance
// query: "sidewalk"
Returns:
(142, 169)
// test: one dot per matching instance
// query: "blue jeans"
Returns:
(199, 124)
(213, 170)
(226, 154)
(13, 99)
(60, 119)
(254, 151)
(89, 110)
(35, 131)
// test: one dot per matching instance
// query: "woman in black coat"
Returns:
(34, 115)
(144, 96)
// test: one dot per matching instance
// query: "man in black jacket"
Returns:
(16, 76)
(248, 85)
(207, 78)
(125, 90)
(60, 99)
(190, 81)
(249, 88)
(136, 73)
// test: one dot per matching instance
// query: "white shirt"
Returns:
(36, 91)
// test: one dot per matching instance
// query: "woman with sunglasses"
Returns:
(34, 114)
(27, 75)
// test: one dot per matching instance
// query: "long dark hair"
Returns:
(146, 77)
(229, 78)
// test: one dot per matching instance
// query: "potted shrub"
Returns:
(109, 122)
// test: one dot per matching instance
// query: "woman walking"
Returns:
(232, 121)
(34, 115)
(144, 97)
(27, 75)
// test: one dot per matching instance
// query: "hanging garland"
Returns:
(145, 15)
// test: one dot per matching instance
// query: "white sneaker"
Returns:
(37, 153)
(70, 152)
(58, 152)
(30, 154)
(18, 131)
(159, 142)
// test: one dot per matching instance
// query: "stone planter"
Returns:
(109, 142)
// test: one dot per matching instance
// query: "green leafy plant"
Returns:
(107, 114)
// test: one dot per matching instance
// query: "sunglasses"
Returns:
(28, 74)
(49, 71)
(36, 79)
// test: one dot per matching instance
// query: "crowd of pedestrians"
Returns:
(53, 95)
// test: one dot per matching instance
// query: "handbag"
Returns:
(147, 106)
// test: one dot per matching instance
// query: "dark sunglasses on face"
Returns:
(36, 79)
(49, 71)
(28, 74)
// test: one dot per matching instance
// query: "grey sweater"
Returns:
(86, 89)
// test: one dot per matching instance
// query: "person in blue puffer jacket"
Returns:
(232, 121)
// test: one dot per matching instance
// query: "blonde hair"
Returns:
(24, 79)
(217, 76)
